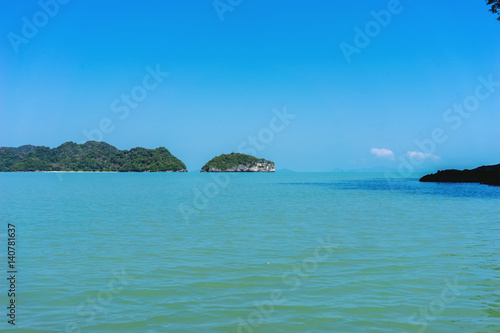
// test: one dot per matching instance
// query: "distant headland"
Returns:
(90, 156)
(236, 162)
(489, 175)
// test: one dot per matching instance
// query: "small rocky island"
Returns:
(489, 175)
(236, 162)
(90, 156)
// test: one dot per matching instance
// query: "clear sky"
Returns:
(311, 85)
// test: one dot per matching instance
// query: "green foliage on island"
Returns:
(495, 7)
(228, 161)
(90, 156)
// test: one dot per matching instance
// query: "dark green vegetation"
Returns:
(489, 175)
(233, 161)
(495, 7)
(90, 156)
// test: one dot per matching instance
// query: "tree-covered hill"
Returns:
(236, 162)
(90, 156)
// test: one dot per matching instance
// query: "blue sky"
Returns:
(399, 97)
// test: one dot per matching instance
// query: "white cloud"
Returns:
(418, 155)
(382, 153)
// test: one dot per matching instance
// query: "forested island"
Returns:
(236, 162)
(90, 156)
(488, 174)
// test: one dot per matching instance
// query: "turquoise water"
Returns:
(290, 252)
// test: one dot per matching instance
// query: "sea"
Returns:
(247, 252)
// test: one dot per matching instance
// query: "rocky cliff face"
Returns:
(258, 167)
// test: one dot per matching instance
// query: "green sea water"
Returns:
(280, 252)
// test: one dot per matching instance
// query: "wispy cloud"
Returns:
(382, 153)
(418, 155)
